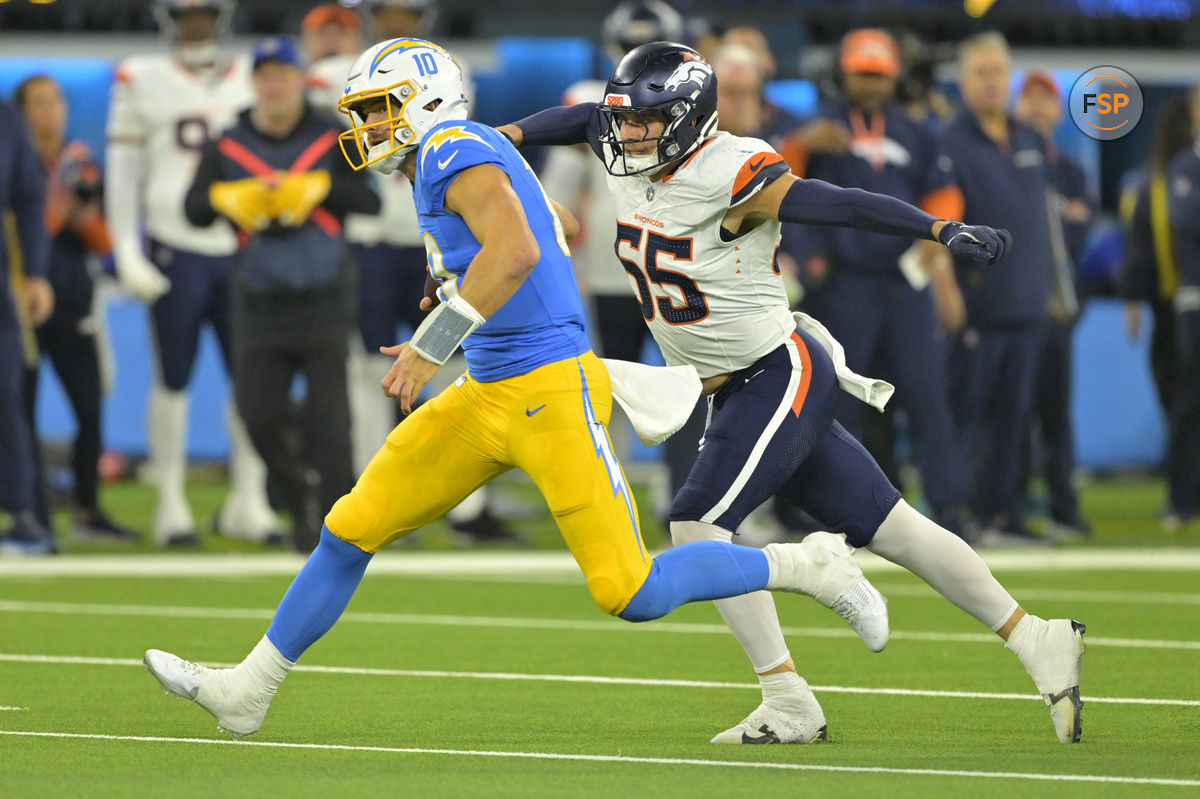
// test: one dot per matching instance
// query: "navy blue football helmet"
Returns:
(657, 82)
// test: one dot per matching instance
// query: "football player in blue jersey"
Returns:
(535, 398)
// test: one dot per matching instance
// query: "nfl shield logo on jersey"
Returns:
(649, 193)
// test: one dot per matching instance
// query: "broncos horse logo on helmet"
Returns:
(657, 82)
(689, 72)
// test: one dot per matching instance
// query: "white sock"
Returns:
(265, 665)
(469, 508)
(751, 617)
(167, 420)
(258, 676)
(946, 562)
(247, 472)
(1034, 641)
(166, 423)
(239, 697)
(780, 690)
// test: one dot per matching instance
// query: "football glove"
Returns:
(978, 242)
(297, 194)
(245, 202)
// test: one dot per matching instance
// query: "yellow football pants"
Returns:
(542, 424)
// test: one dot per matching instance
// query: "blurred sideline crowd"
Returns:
(227, 203)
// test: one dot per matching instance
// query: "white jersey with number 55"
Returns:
(711, 299)
(171, 111)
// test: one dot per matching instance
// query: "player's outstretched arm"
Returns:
(564, 124)
(815, 202)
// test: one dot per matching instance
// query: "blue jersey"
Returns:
(543, 321)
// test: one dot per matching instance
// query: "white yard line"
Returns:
(14, 708)
(659, 761)
(1025, 594)
(70, 660)
(598, 625)
(538, 563)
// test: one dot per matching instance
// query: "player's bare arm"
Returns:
(514, 134)
(483, 196)
(570, 224)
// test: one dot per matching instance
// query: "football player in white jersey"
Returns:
(577, 179)
(698, 222)
(164, 108)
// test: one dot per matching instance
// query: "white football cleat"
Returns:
(822, 567)
(238, 708)
(1052, 653)
(175, 675)
(248, 518)
(173, 522)
(801, 723)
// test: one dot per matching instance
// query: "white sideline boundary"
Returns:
(557, 563)
(72, 660)
(659, 761)
(510, 622)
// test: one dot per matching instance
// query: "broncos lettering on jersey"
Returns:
(174, 111)
(711, 299)
(543, 321)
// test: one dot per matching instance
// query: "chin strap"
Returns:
(390, 163)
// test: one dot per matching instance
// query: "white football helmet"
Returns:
(419, 84)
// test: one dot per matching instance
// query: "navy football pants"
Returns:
(773, 432)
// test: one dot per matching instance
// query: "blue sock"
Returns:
(318, 595)
(695, 571)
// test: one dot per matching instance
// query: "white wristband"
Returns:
(445, 328)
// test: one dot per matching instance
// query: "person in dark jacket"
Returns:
(279, 175)
(883, 315)
(78, 236)
(23, 262)
(1000, 165)
(1150, 272)
(1183, 449)
(1072, 204)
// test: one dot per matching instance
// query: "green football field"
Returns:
(492, 674)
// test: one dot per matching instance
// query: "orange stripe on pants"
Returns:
(805, 374)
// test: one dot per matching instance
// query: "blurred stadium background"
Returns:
(491, 674)
(522, 56)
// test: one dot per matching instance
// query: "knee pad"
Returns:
(356, 518)
(685, 532)
(609, 594)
